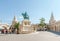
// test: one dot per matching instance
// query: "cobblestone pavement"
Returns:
(38, 36)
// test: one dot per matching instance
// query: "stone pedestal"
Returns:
(26, 26)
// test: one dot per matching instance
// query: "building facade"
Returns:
(53, 24)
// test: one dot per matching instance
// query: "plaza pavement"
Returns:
(37, 36)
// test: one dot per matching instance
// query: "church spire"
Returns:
(52, 16)
(52, 20)
(14, 18)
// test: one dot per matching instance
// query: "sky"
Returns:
(36, 9)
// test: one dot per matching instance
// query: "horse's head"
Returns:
(22, 14)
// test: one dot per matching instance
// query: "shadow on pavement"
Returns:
(57, 33)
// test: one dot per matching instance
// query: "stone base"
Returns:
(26, 32)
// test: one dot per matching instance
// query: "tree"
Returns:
(42, 22)
(17, 27)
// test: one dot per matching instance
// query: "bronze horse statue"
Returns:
(25, 16)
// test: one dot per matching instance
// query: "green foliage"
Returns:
(42, 22)
(17, 25)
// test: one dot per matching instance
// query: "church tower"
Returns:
(14, 20)
(52, 22)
